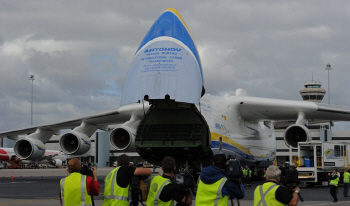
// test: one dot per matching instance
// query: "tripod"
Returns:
(135, 197)
(232, 202)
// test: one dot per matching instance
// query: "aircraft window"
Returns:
(313, 86)
(337, 150)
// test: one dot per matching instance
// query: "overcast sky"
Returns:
(80, 51)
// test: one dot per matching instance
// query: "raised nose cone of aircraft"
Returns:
(166, 63)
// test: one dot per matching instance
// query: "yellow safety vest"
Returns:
(247, 172)
(335, 181)
(74, 191)
(346, 177)
(113, 194)
(210, 194)
(265, 195)
(157, 184)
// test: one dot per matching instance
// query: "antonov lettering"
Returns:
(163, 49)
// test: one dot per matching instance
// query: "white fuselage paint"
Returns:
(245, 140)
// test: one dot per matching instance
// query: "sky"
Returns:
(80, 51)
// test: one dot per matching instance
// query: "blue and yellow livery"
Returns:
(166, 63)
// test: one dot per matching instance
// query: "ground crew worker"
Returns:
(162, 190)
(346, 181)
(117, 182)
(334, 184)
(214, 188)
(247, 174)
(270, 193)
(77, 189)
(220, 145)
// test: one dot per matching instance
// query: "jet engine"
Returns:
(29, 148)
(123, 138)
(56, 162)
(296, 133)
(75, 143)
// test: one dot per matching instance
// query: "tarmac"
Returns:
(41, 187)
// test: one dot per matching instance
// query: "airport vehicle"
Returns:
(52, 157)
(318, 158)
(165, 111)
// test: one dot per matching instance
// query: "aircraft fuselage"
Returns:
(244, 140)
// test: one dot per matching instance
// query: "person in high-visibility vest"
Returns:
(117, 182)
(214, 188)
(77, 189)
(247, 174)
(163, 191)
(334, 184)
(270, 193)
(346, 181)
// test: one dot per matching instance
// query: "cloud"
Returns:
(80, 52)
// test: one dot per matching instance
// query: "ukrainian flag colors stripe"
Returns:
(216, 137)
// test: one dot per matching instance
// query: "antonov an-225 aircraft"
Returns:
(165, 111)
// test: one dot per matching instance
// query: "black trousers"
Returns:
(333, 192)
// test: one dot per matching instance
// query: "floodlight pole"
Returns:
(329, 90)
(31, 78)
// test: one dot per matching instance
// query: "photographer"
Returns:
(270, 193)
(334, 184)
(213, 181)
(163, 191)
(117, 182)
(71, 191)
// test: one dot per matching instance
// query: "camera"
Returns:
(234, 173)
(233, 170)
(184, 182)
(289, 176)
(86, 169)
(184, 179)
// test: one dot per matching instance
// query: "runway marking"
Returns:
(12, 203)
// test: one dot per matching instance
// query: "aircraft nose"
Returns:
(3, 155)
(166, 64)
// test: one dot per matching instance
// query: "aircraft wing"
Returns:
(255, 109)
(101, 120)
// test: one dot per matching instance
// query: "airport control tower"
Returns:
(312, 92)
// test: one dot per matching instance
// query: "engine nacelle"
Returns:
(56, 162)
(29, 148)
(123, 138)
(296, 133)
(75, 143)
